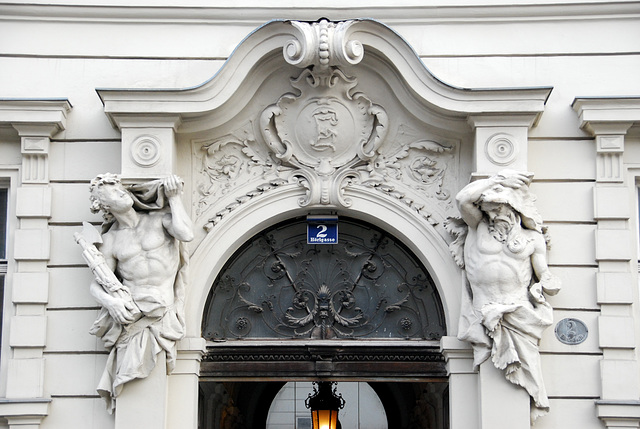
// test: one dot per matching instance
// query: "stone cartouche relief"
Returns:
(326, 136)
(324, 133)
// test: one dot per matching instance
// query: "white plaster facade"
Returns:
(564, 105)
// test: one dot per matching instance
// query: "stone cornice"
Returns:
(23, 113)
(24, 411)
(254, 12)
(607, 115)
(279, 43)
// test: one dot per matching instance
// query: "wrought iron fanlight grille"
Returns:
(367, 286)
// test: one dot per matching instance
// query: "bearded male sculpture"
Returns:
(139, 267)
(504, 310)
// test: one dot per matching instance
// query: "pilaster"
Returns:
(36, 121)
(501, 142)
(182, 402)
(162, 401)
(159, 400)
(494, 391)
(477, 398)
(608, 120)
(143, 401)
(464, 412)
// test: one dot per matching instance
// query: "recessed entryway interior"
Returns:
(280, 404)
(362, 406)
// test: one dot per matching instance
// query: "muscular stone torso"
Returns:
(147, 261)
(496, 273)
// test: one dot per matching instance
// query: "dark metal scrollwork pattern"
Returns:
(367, 286)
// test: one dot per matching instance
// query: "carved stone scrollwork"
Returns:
(327, 137)
(238, 167)
(227, 164)
(324, 132)
(323, 44)
(420, 166)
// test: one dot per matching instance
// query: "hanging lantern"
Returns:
(324, 405)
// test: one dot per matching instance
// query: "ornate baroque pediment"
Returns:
(326, 135)
(332, 109)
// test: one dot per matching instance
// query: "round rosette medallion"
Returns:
(145, 151)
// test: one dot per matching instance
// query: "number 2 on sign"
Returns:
(322, 233)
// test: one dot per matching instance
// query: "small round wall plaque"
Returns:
(571, 331)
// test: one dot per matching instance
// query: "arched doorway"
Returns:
(364, 309)
(406, 142)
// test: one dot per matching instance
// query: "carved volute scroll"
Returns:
(323, 44)
(328, 127)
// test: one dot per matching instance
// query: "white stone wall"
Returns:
(65, 50)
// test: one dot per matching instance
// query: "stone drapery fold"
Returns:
(510, 334)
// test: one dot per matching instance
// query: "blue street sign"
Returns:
(322, 229)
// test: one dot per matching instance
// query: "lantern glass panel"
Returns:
(324, 419)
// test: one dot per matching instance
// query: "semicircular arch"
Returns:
(242, 224)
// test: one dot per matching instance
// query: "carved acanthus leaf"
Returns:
(413, 173)
(230, 163)
(459, 229)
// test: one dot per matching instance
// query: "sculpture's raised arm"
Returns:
(468, 198)
(506, 267)
(140, 270)
(179, 224)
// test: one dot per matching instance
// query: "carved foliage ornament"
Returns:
(229, 162)
(326, 136)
